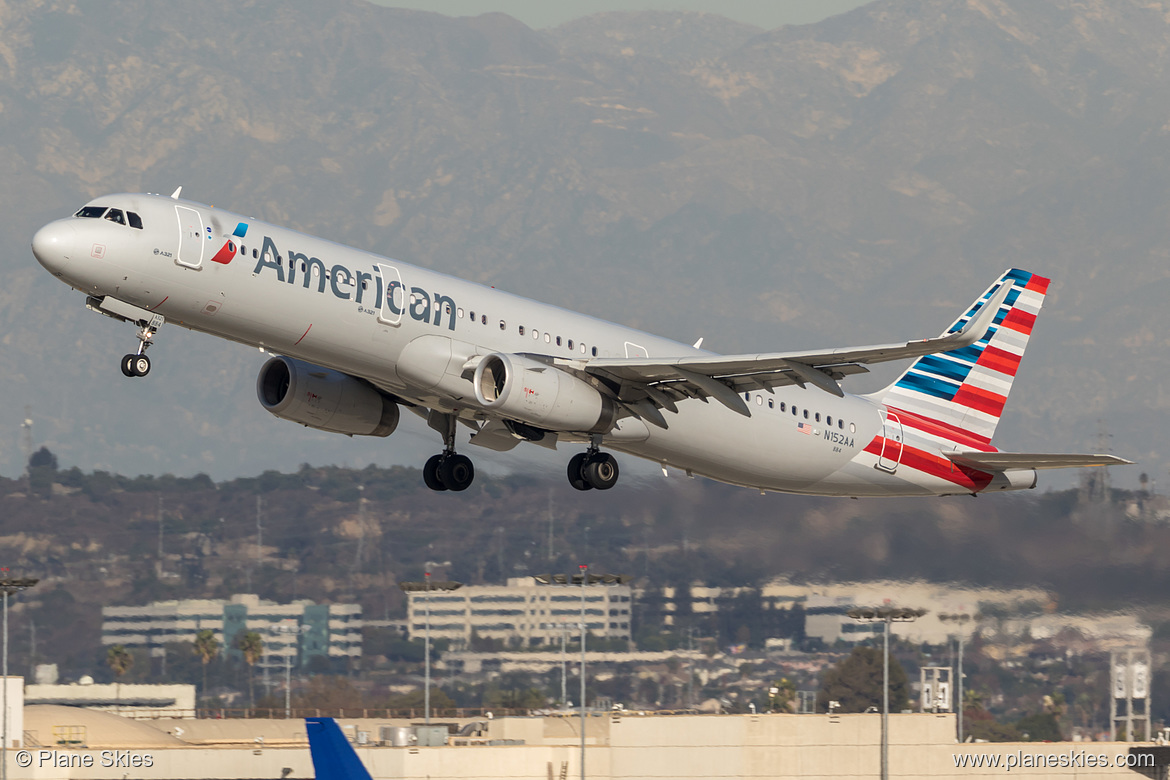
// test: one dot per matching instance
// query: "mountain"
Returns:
(854, 181)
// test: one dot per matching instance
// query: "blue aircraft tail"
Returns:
(333, 757)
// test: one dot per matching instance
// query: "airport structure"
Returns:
(68, 743)
(299, 631)
(520, 613)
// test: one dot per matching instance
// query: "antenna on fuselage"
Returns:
(175, 194)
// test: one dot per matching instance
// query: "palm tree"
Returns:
(252, 646)
(120, 661)
(207, 648)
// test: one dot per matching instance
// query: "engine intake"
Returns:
(324, 399)
(541, 395)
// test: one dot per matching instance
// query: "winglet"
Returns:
(175, 194)
(977, 325)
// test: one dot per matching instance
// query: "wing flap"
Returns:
(1007, 461)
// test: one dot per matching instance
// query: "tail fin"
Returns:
(333, 757)
(965, 390)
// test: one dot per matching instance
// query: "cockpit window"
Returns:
(91, 212)
(134, 220)
(115, 215)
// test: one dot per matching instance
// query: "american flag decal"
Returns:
(804, 428)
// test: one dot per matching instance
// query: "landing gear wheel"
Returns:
(128, 365)
(577, 472)
(431, 473)
(457, 472)
(601, 471)
(140, 365)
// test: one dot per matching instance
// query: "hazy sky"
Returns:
(549, 13)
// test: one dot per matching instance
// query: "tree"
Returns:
(120, 661)
(43, 459)
(206, 646)
(252, 646)
(856, 682)
(784, 699)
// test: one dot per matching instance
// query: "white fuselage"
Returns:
(324, 303)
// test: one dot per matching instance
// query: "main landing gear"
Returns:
(593, 469)
(449, 470)
(138, 364)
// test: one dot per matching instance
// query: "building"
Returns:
(301, 630)
(521, 613)
(134, 699)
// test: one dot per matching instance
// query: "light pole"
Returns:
(564, 630)
(285, 630)
(962, 619)
(885, 615)
(8, 586)
(582, 578)
(426, 586)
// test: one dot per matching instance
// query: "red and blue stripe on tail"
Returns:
(961, 394)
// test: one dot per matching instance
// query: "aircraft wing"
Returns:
(660, 382)
(1006, 461)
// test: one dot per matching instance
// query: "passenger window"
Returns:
(471, 316)
(521, 330)
(771, 404)
(829, 420)
(747, 396)
(483, 320)
(134, 219)
(582, 349)
(91, 212)
(460, 311)
(243, 250)
(365, 284)
(783, 407)
(558, 341)
(546, 338)
(806, 414)
(595, 352)
(840, 423)
(570, 345)
(535, 334)
(759, 400)
(255, 253)
(503, 325)
(115, 215)
(818, 416)
(852, 428)
(794, 411)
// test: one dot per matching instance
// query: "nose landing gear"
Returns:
(138, 364)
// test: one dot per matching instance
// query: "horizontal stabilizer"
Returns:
(1006, 461)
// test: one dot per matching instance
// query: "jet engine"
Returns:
(541, 395)
(324, 399)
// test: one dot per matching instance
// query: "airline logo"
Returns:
(228, 251)
(354, 285)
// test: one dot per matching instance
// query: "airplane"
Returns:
(356, 337)
(333, 757)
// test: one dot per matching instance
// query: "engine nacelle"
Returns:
(541, 395)
(325, 399)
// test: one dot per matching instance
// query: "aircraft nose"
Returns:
(54, 245)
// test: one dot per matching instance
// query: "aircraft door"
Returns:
(394, 298)
(191, 240)
(634, 351)
(891, 454)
